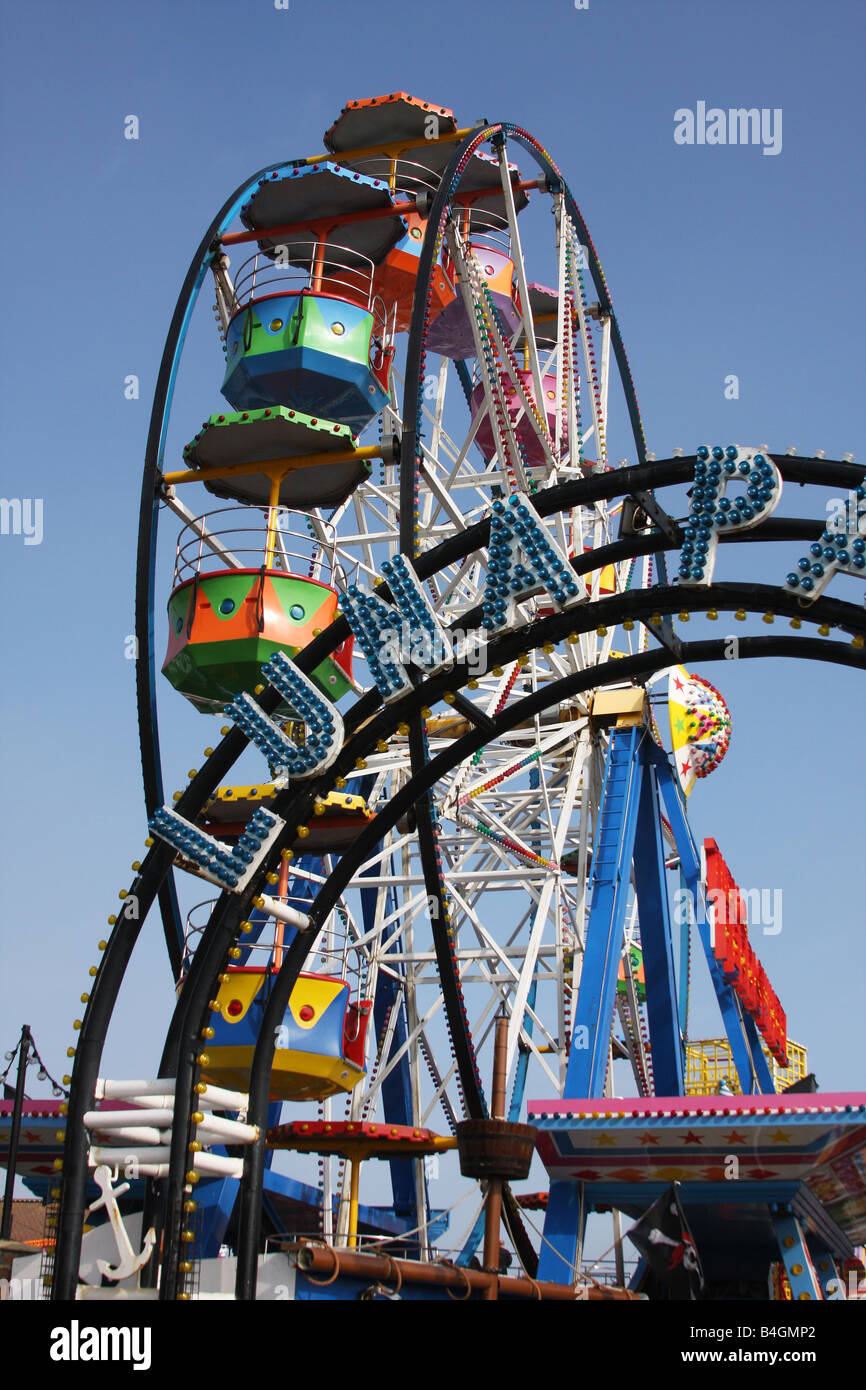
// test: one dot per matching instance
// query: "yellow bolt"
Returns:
(273, 878)
(319, 808)
(712, 614)
(207, 1032)
(601, 631)
(200, 1088)
(381, 745)
(76, 1024)
(768, 617)
(547, 647)
(360, 763)
(234, 952)
(192, 1175)
(136, 864)
(226, 729)
(203, 1059)
(628, 625)
(190, 1205)
(684, 616)
(824, 630)
(213, 1005)
(176, 796)
(123, 893)
(67, 1080)
(740, 615)
(497, 671)
(60, 1135)
(287, 854)
(449, 697)
(197, 1117)
(339, 783)
(149, 842)
(857, 640)
(64, 1107)
(58, 1164)
(572, 639)
(246, 928)
(84, 998)
(185, 1266)
(70, 1051)
(111, 920)
(208, 752)
(257, 690)
(472, 683)
(426, 712)
(796, 623)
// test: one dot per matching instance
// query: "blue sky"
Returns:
(719, 259)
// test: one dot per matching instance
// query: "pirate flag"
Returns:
(665, 1241)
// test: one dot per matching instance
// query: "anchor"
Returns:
(129, 1262)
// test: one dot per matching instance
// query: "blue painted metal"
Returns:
(396, 1088)
(651, 887)
(795, 1256)
(763, 1076)
(611, 876)
(752, 1069)
(216, 1202)
(828, 1275)
(472, 1242)
(563, 1224)
(686, 922)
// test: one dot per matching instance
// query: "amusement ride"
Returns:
(417, 896)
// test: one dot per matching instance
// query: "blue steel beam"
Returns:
(746, 1051)
(650, 877)
(611, 877)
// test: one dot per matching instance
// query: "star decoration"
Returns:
(691, 1138)
(605, 1139)
(780, 1137)
(649, 1138)
(735, 1138)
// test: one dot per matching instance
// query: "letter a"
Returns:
(684, 129)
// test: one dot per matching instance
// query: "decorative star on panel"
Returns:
(735, 1138)
(691, 1138)
(780, 1137)
(649, 1138)
(605, 1140)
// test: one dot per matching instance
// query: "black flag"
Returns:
(663, 1238)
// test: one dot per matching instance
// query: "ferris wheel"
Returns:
(427, 597)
